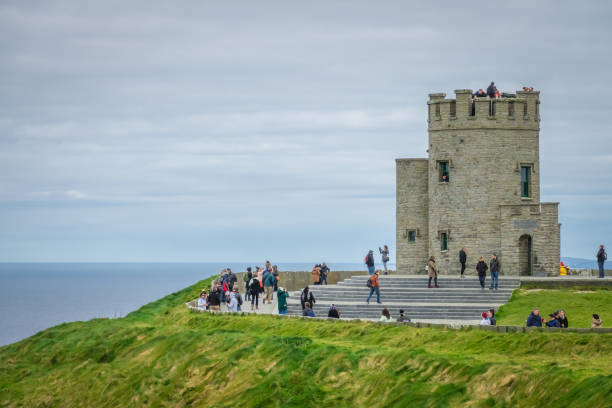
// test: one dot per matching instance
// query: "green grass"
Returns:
(579, 305)
(163, 355)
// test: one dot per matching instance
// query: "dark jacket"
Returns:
(494, 265)
(601, 255)
(333, 313)
(370, 259)
(493, 321)
(562, 322)
(324, 270)
(213, 299)
(491, 91)
(552, 323)
(534, 321)
(307, 296)
(462, 256)
(254, 287)
(482, 267)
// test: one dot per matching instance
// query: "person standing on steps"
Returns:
(494, 266)
(324, 273)
(385, 256)
(369, 261)
(481, 268)
(307, 297)
(462, 260)
(374, 285)
(316, 275)
(432, 271)
(601, 258)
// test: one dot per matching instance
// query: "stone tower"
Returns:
(479, 188)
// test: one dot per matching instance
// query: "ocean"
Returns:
(35, 296)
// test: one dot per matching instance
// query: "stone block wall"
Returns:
(412, 214)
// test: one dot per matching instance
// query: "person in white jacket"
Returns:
(203, 300)
(485, 319)
(232, 305)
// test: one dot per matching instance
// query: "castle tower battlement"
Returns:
(518, 112)
(478, 188)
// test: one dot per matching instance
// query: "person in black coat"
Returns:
(462, 260)
(562, 319)
(307, 297)
(491, 90)
(481, 268)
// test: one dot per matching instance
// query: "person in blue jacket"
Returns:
(534, 319)
(553, 322)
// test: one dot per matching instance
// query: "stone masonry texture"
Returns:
(485, 142)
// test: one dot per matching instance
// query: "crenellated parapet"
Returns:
(521, 111)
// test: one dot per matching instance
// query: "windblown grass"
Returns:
(164, 355)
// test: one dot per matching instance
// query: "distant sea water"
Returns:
(35, 296)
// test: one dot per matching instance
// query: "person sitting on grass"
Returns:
(596, 323)
(307, 312)
(534, 319)
(203, 300)
(333, 312)
(552, 321)
(562, 319)
(485, 319)
(385, 315)
(282, 301)
(491, 316)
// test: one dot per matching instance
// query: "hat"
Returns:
(401, 310)
(370, 251)
(595, 316)
(551, 315)
(484, 314)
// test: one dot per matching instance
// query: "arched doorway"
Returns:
(525, 256)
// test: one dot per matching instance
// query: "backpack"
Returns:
(239, 298)
(365, 260)
(369, 282)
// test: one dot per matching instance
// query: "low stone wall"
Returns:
(500, 329)
(297, 280)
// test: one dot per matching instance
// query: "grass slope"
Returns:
(579, 305)
(163, 355)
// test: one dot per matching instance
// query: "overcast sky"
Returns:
(212, 131)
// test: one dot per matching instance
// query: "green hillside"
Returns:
(163, 355)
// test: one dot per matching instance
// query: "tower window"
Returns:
(525, 109)
(437, 110)
(525, 181)
(444, 167)
(444, 241)
(511, 108)
(411, 235)
(453, 109)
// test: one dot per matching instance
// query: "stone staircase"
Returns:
(456, 300)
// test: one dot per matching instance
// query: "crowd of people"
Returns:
(556, 319)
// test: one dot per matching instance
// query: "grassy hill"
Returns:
(163, 355)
